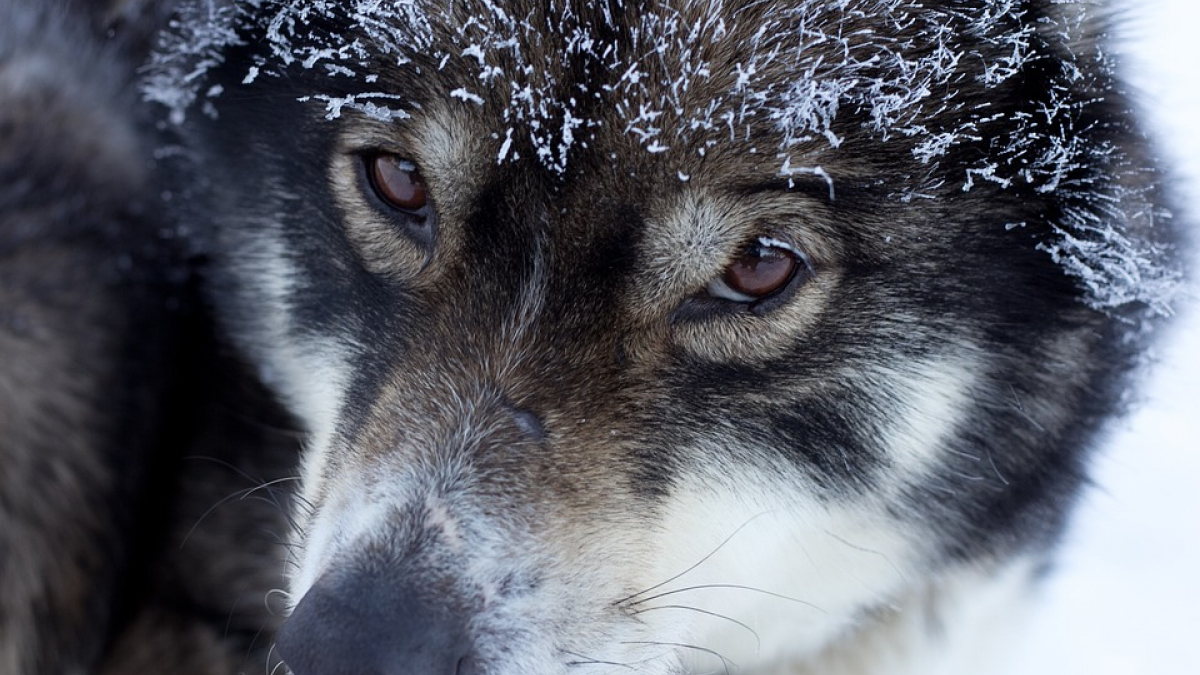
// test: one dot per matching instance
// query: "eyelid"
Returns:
(772, 242)
(717, 288)
(401, 162)
(801, 256)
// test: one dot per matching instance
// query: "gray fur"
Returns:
(70, 174)
(110, 559)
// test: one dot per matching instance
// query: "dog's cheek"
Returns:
(752, 534)
(748, 567)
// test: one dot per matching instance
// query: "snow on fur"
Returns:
(899, 66)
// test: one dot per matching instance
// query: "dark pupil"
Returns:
(761, 272)
(397, 185)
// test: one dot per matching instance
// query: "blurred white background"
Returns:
(1126, 598)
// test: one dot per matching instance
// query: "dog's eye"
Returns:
(762, 278)
(762, 270)
(397, 182)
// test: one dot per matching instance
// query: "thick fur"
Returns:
(122, 424)
(75, 440)
(535, 443)
(534, 432)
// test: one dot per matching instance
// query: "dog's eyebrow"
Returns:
(812, 185)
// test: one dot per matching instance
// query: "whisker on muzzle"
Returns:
(757, 638)
(739, 587)
(585, 660)
(682, 645)
(267, 667)
(630, 599)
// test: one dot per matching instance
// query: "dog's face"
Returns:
(653, 337)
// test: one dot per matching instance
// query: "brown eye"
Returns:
(397, 182)
(762, 278)
(760, 271)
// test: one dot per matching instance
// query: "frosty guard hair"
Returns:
(906, 73)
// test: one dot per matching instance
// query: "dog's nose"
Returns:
(374, 625)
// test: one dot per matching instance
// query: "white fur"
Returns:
(964, 622)
(813, 566)
(310, 375)
(840, 590)
(926, 400)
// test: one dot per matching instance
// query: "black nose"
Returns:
(372, 624)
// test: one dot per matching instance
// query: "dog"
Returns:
(674, 338)
(685, 337)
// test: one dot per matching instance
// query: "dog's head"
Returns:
(646, 336)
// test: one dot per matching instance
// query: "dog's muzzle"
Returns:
(365, 623)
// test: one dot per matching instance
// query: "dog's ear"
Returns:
(1112, 236)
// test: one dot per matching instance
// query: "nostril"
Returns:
(367, 624)
(466, 666)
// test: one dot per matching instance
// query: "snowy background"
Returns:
(1126, 598)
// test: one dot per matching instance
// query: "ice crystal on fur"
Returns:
(193, 46)
(901, 73)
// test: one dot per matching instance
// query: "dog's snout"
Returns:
(375, 625)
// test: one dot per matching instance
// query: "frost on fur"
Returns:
(903, 68)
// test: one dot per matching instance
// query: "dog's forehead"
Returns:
(678, 80)
(602, 113)
(932, 92)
